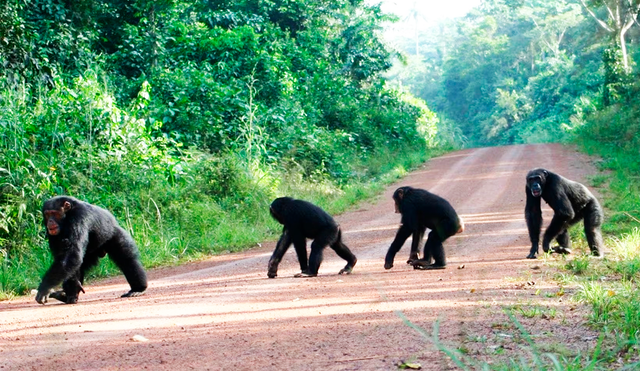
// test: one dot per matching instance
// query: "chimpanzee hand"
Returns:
(41, 296)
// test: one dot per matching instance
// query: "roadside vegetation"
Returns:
(186, 118)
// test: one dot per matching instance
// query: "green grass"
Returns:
(177, 225)
(534, 356)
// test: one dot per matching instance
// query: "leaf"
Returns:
(410, 366)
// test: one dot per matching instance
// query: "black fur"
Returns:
(84, 234)
(420, 210)
(571, 202)
(302, 220)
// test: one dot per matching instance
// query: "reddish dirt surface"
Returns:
(225, 314)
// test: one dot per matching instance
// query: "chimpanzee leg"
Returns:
(433, 248)
(343, 251)
(71, 289)
(592, 221)
(300, 244)
(427, 255)
(322, 240)
(557, 225)
(123, 252)
(72, 286)
(564, 243)
(414, 255)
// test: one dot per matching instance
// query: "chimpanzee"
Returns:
(79, 235)
(420, 210)
(571, 202)
(302, 220)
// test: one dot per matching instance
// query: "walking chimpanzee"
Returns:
(302, 220)
(571, 202)
(420, 210)
(79, 235)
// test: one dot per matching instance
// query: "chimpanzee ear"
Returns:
(67, 206)
(546, 173)
(400, 194)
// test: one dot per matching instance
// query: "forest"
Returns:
(186, 118)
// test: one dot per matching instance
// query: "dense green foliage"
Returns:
(522, 71)
(186, 118)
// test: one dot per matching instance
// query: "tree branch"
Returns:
(600, 22)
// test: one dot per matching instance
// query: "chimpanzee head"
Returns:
(398, 196)
(54, 212)
(277, 208)
(536, 180)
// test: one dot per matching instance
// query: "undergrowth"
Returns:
(179, 204)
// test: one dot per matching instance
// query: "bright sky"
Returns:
(429, 12)
(430, 9)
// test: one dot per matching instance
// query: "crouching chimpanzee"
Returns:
(420, 210)
(571, 202)
(302, 220)
(79, 235)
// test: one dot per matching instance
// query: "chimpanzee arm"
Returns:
(65, 265)
(281, 247)
(533, 216)
(403, 233)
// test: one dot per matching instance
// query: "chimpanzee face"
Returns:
(398, 195)
(54, 217)
(535, 182)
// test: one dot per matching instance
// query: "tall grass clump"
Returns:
(531, 358)
(613, 133)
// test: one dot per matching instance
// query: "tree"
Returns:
(552, 20)
(621, 15)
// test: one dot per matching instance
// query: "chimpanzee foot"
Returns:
(59, 295)
(348, 268)
(132, 294)
(422, 265)
(63, 297)
(561, 250)
(388, 265)
(304, 275)
(412, 259)
(272, 274)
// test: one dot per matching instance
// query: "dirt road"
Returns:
(225, 314)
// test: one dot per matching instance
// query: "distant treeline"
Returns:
(527, 71)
